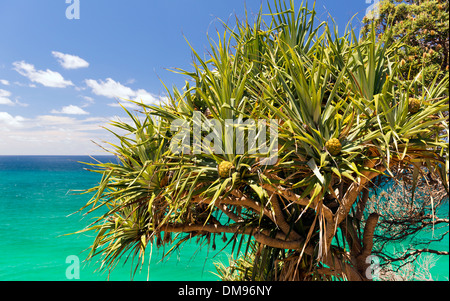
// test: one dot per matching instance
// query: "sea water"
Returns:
(38, 207)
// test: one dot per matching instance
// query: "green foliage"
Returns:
(318, 86)
(423, 27)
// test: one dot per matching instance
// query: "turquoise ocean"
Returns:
(37, 209)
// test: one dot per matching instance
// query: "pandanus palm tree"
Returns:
(343, 118)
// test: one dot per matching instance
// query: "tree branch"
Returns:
(280, 221)
(260, 236)
(287, 194)
(369, 230)
(229, 213)
(362, 204)
(350, 197)
(417, 252)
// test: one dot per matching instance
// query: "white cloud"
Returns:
(146, 97)
(50, 120)
(4, 82)
(56, 135)
(69, 61)
(112, 89)
(20, 103)
(24, 85)
(128, 105)
(4, 98)
(11, 121)
(47, 78)
(71, 110)
(88, 99)
(52, 135)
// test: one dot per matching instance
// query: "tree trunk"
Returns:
(369, 230)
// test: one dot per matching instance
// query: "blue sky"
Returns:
(60, 79)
